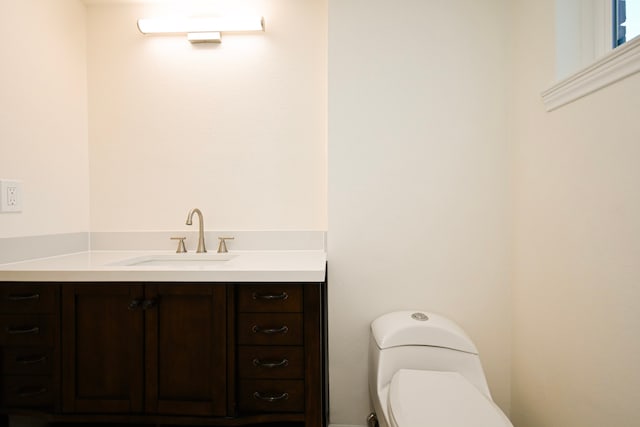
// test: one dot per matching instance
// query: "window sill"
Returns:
(616, 65)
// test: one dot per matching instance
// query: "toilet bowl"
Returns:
(425, 371)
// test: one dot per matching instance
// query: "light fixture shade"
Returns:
(200, 25)
(212, 37)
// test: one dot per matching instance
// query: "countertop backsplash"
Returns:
(14, 249)
(246, 240)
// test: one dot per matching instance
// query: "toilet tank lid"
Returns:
(417, 327)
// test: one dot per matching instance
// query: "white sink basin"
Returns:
(177, 260)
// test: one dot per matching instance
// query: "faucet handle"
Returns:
(181, 248)
(222, 247)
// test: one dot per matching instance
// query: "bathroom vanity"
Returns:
(96, 342)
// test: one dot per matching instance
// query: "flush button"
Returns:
(420, 316)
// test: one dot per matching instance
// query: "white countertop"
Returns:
(98, 266)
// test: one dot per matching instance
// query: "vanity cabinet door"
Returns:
(102, 348)
(186, 349)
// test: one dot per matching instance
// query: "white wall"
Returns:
(576, 293)
(43, 115)
(237, 129)
(419, 193)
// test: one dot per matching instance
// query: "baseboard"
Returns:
(347, 425)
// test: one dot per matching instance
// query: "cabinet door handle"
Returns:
(134, 303)
(268, 397)
(32, 392)
(29, 360)
(21, 331)
(260, 364)
(282, 330)
(22, 297)
(269, 297)
(149, 303)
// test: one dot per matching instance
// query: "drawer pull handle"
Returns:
(283, 330)
(23, 331)
(32, 392)
(270, 397)
(145, 304)
(269, 297)
(29, 360)
(260, 364)
(22, 297)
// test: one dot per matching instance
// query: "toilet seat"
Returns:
(443, 399)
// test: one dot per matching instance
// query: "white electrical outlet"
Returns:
(10, 195)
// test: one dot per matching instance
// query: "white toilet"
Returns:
(425, 371)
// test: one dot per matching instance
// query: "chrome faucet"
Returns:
(201, 246)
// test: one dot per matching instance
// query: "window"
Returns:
(597, 44)
(626, 21)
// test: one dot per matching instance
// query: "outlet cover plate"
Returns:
(10, 195)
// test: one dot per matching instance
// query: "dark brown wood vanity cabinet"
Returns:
(165, 353)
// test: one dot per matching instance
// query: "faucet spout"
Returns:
(201, 245)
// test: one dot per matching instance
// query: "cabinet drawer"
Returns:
(27, 360)
(270, 328)
(25, 330)
(28, 298)
(271, 396)
(271, 362)
(270, 298)
(29, 392)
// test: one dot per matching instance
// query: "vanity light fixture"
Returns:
(201, 30)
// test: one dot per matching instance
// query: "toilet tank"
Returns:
(423, 341)
(401, 328)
